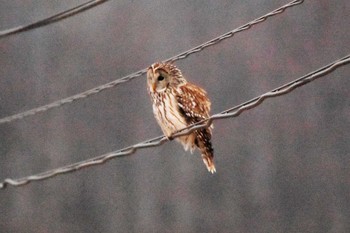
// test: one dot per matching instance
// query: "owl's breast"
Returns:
(167, 112)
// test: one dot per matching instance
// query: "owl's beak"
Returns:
(154, 86)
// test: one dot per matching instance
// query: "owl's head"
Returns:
(163, 76)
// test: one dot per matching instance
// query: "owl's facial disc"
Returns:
(161, 81)
(158, 79)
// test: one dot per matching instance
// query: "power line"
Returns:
(52, 19)
(129, 77)
(232, 112)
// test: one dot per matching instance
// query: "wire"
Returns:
(52, 19)
(232, 112)
(129, 77)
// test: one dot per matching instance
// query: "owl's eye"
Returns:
(160, 78)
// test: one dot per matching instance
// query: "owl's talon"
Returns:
(170, 137)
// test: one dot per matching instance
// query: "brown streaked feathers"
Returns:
(178, 104)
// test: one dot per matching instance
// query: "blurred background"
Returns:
(281, 167)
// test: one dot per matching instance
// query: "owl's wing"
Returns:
(193, 103)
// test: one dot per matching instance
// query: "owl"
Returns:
(178, 104)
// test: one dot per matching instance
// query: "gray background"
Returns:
(282, 167)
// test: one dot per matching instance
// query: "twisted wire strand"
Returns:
(232, 112)
(132, 76)
(52, 19)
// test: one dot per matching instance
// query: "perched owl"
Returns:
(178, 104)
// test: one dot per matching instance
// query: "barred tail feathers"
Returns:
(207, 151)
(208, 160)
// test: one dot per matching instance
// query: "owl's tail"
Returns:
(208, 160)
(204, 144)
